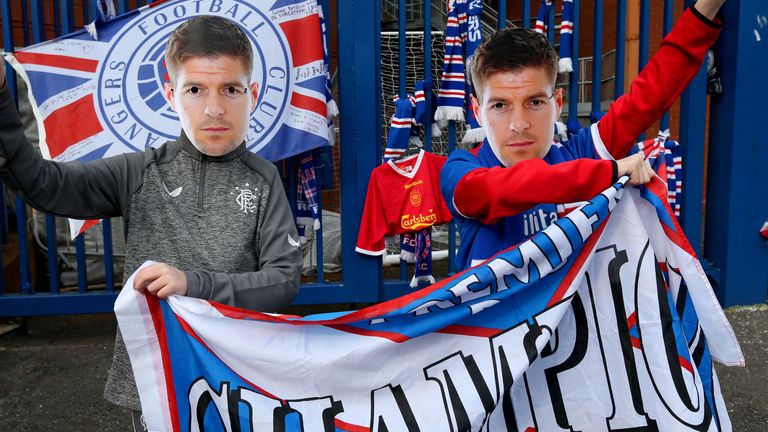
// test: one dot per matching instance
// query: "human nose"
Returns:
(518, 121)
(214, 106)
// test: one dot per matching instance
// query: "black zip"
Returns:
(201, 192)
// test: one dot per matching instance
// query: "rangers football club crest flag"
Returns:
(103, 96)
(603, 321)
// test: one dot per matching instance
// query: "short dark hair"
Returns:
(207, 36)
(511, 50)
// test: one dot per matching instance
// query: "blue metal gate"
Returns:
(355, 29)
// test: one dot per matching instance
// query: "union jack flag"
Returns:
(99, 93)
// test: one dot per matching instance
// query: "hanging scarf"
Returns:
(416, 247)
(332, 108)
(542, 19)
(400, 128)
(420, 116)
(566, 37)
(452, 94)
(475, 133)
(307, 209)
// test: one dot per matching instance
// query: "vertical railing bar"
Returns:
(597, 58)
(692, 135)
(109, 269)
(319, 234)
(502, 21)
(669, 11)
(21, 224)
(82, 270)
(452, 224)
(38, 21)
(56, 20)
(401, 47)
(25, 21)
(10, 75)
(573, 85)
(67, 9)
(526, 13)
(621, 35)
(551, 24)
(5, 11)
(86, 11)
(402, 90)
(122, 6)
(53, 256)
(319, 240)
(428, 75)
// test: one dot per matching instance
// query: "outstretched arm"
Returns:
(75, 189)
(663, 79)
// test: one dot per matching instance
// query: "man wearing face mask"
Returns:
(212, 214)
(522, 174)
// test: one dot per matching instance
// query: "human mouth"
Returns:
(520, 144)
(216, 129)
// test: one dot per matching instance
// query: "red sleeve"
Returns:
(373, 226)
(489, 194)
(659, 84)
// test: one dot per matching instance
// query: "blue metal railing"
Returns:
(357, 30)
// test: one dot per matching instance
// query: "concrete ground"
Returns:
(53, 369)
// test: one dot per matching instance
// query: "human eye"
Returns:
(498, 106)
(193, 91)
(232, 91)
(537, 103)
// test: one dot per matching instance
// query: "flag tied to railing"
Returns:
(603, 321)
(95, 98)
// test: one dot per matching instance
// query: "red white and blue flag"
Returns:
(603, 321)
(95, 98)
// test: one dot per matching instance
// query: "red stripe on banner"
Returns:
(188, 329)
(636, 343)
(309, 103)
(349, 427)
(304, 38)
(578, 263)
(157, 321)
(59, 61)
(393, 336)
(71, 124)
(685, 364)
(632, 320)
(463, 330)
(87, 224)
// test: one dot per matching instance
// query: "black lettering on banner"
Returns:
(280, 414)
(628, 412)
(317, 413)
(465, 394)
(576, 356)
(504, 347)
(390, 410)
(201, 395)
(261, 407)
(670, 376)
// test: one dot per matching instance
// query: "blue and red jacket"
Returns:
(516, 202)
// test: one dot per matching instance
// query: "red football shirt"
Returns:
(402, 196)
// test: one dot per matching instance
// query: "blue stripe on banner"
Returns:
(317, 84)
(46, 85)
(96, 154)
(289, 142)
(658, 204)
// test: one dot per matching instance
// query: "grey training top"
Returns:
(224, 220)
